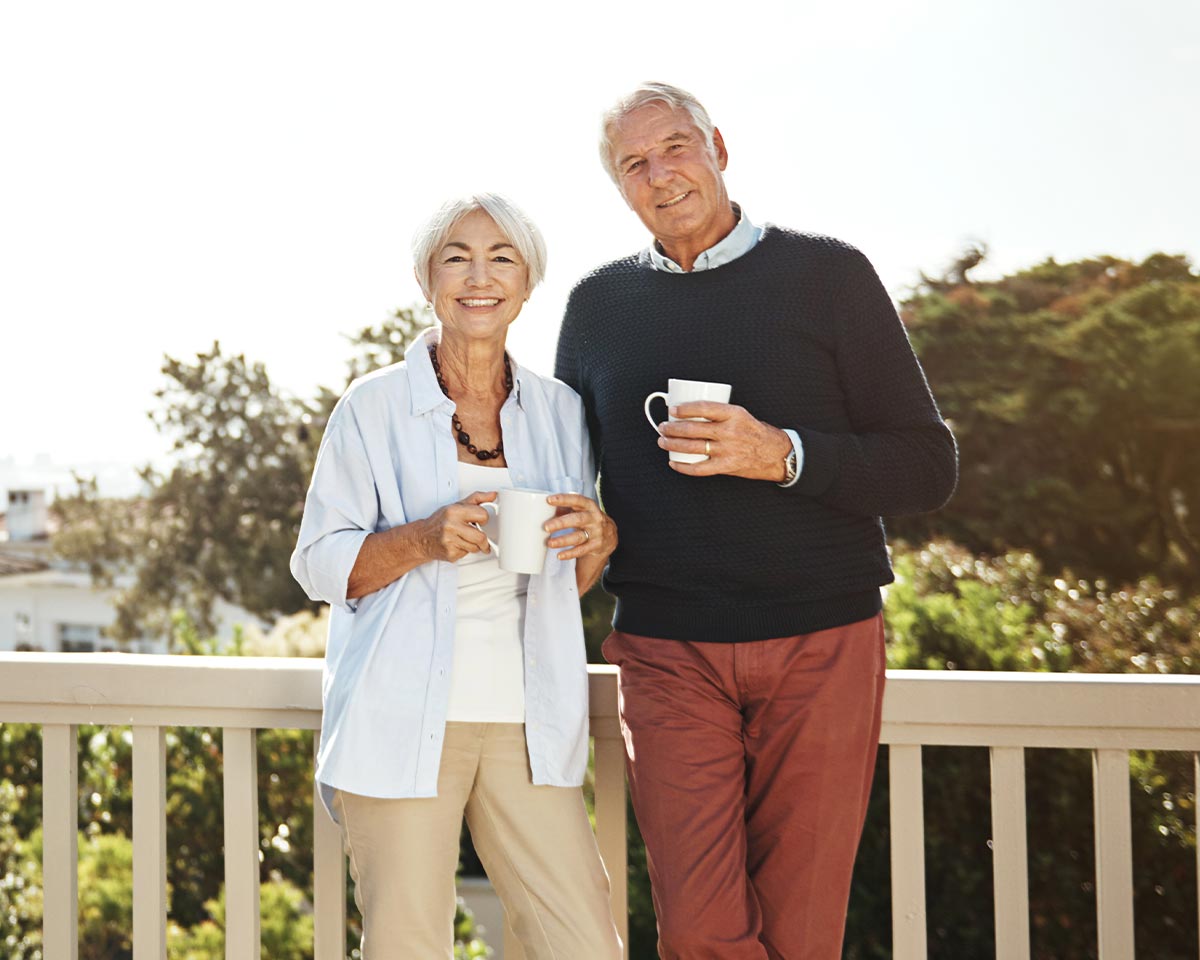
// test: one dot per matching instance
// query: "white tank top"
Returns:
(487, 682)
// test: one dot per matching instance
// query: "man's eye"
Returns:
(633, 166)
(675, 148)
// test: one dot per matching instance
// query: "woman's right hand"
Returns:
(454, 531)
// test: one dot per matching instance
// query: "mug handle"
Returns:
(491, 529)
(646, 407)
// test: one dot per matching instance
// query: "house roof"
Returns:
(15, 563)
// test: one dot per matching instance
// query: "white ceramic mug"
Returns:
(521, 541)
(685, 391)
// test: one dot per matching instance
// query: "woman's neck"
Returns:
(472, 368)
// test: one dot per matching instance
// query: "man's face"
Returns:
(670, 178)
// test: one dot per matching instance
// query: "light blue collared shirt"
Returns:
(741, 239)
(388, 457)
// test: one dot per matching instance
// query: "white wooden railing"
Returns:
(1007, 713)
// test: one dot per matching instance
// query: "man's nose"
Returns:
(659, 172)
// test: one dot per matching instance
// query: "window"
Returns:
(78, 637)
(24, 630)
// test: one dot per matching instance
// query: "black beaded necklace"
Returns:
(463, 437)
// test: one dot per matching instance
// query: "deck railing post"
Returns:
(60, 841)
(329, 880)
(242, 919)
(1114, 854)
(1010, 853)
(149, 843)
(905, 792)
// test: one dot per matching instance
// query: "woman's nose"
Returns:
(478, 273)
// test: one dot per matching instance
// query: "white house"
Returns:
(47, 605)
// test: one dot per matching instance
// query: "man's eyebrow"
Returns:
(679, 136)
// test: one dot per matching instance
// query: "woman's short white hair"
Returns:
(521, 232)
(650, 92)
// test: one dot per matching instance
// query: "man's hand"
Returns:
(594, 534)
(737, 444)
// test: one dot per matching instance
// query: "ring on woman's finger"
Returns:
(586, 536)
(708, 448)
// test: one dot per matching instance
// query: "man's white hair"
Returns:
(516, 226)
(650, 92)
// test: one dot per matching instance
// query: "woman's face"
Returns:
(478, 280)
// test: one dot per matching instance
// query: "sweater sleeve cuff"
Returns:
(820, 467)
(798, 447)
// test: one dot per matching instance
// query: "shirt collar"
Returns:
(740, 240)
(424, 390)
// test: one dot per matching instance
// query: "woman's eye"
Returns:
(502, 259)
(456, 258)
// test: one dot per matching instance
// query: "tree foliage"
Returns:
(1073, 392)
(221, 522)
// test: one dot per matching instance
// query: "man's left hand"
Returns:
(737, 443)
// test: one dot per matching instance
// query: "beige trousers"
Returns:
(535, 843)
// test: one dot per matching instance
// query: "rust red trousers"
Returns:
(750, 768)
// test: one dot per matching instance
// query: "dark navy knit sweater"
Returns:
(804, 331)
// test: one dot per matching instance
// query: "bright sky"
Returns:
(251, 172)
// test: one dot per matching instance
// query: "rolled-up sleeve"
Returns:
(340, 512)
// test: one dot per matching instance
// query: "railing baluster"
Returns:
(60, 844)
(611, 827)
(1114, 854)
(242, 933)
(149, 843)
(908, 852)
(1010, 855)
(329, 881)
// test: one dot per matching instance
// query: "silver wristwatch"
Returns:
(789, 468)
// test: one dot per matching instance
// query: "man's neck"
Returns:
(685, 252)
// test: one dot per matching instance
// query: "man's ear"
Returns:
(719, 149)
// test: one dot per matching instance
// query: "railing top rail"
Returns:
(277, 691)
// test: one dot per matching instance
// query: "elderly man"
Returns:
(748, 630)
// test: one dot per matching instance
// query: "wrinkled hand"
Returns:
(594, 532)
(738, 444)
(454, 531)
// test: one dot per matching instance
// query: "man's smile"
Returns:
(674, 200)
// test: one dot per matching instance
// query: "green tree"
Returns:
(1073, 393)
(221, 522)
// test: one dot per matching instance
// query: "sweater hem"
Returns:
(670, 619)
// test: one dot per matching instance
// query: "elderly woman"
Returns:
(451, 686)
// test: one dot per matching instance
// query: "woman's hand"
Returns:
(454, 531)
(449, 534)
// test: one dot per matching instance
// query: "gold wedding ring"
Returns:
(707, 448)
(586, 536)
